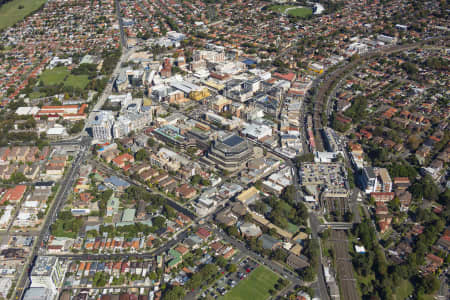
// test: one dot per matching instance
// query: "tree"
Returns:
(151, 142)
(308, 273)
(414, 141)
(357, 110)
(427, 284)
(279, 255)
(77, 127)
(354, 57)
(40, 215)
(394, 205)
(159, 221)
(426, 188)
(196, 179)
(410, 68)
(232, 230)
(308, 157)
(232, 268)
(348, 216)
(289, 194)
(260, 207)
(278, 218)
(221, 261)
(141, 155)
(258, 184)
(169, 211)
(444, 197)
(174, 293)
(205, 182)
(100, 279)
(402, 169)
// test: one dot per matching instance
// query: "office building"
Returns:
(130, 121)
(102, 125)
(230, 152)
(47, 273)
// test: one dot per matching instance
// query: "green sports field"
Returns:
(16, 10)
(292, 10)
(255, 286)
(77, 81)
(54, 76)
(62, 75)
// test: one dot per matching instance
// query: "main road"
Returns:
(69, 179)
(55, 207)
(128, 256)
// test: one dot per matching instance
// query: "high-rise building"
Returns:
(102, 125)
(230, 152)
(48, 274)
(130, 121)
(376, 180)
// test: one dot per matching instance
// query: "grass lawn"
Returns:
(35, 95)
(10, 13)
(80, 81)
(292, 228)
(62, 75)
(255, 286)
(54, 76)
(280, 8)
(301, 12)
(292, 10)
(403, 290)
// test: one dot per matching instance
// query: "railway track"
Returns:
(347, 282)
(321, 97)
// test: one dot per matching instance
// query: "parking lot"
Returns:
(230, 280)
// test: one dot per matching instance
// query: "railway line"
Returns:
(321, 103)
(347, 282)
(338, 207)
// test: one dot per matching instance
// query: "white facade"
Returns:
(211, 56)
(124, 100)
(357, 48)
(387, 39)
(27, 110)
(6, 217)
(5, 285)
(257, 131)
(102, 126)
(47, 273)
(325, 157)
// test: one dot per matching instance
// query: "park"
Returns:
(257, 286)
(13, 11)
(292, 10)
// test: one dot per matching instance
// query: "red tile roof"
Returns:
(14, 194)
(203, 233)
